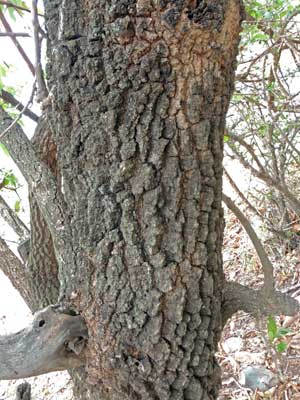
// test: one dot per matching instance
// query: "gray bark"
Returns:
(139, 92)
(52, 342)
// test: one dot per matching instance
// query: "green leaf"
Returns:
(282, 331)
(272, 329)
(17, 206)
(281, 347)
(4, 149)
(10, 179)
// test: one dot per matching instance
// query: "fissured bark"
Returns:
(139, 93)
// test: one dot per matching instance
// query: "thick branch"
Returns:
(52, 342)
(264, 259)
(44, 187)
(13, 220)
(15, 271)
(256, 302)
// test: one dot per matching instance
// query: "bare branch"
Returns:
(15, 121)
(42, 88)
(269, 180)
(16, 43)
(264, 259)
(13, 220)
(14, 34)
(10, 99)
(52, 342)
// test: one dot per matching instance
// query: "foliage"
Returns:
(277, 332)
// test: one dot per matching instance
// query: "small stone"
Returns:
(245, 357)
(259, 378)
(232, 344)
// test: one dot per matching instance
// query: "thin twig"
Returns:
(14, 122)
(8, 4)
(42, 88)
(14, 34)
(10, 99)
(16, 43)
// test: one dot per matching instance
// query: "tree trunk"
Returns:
(139, 93)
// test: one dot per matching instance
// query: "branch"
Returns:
(9, 4)
(19, 116)
(42, 88)
(14, 270)
(13, 220)
(256, 302)
(44, 188)
(14, 34)
(9, 98)
(16, 43)
(264, 259)
(264, 176)
(52, 342)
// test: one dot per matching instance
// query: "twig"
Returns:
(21, 113)
(42, 88)
(9, 98)
(8, 4)
(16, 43)
(269, 180)
(14, 34)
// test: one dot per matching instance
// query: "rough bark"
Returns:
(256, 302)
(40, 269)
(41, 265)
(139, 93)
(52, 342)
(13, 268)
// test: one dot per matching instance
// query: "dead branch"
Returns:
(52, 342)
